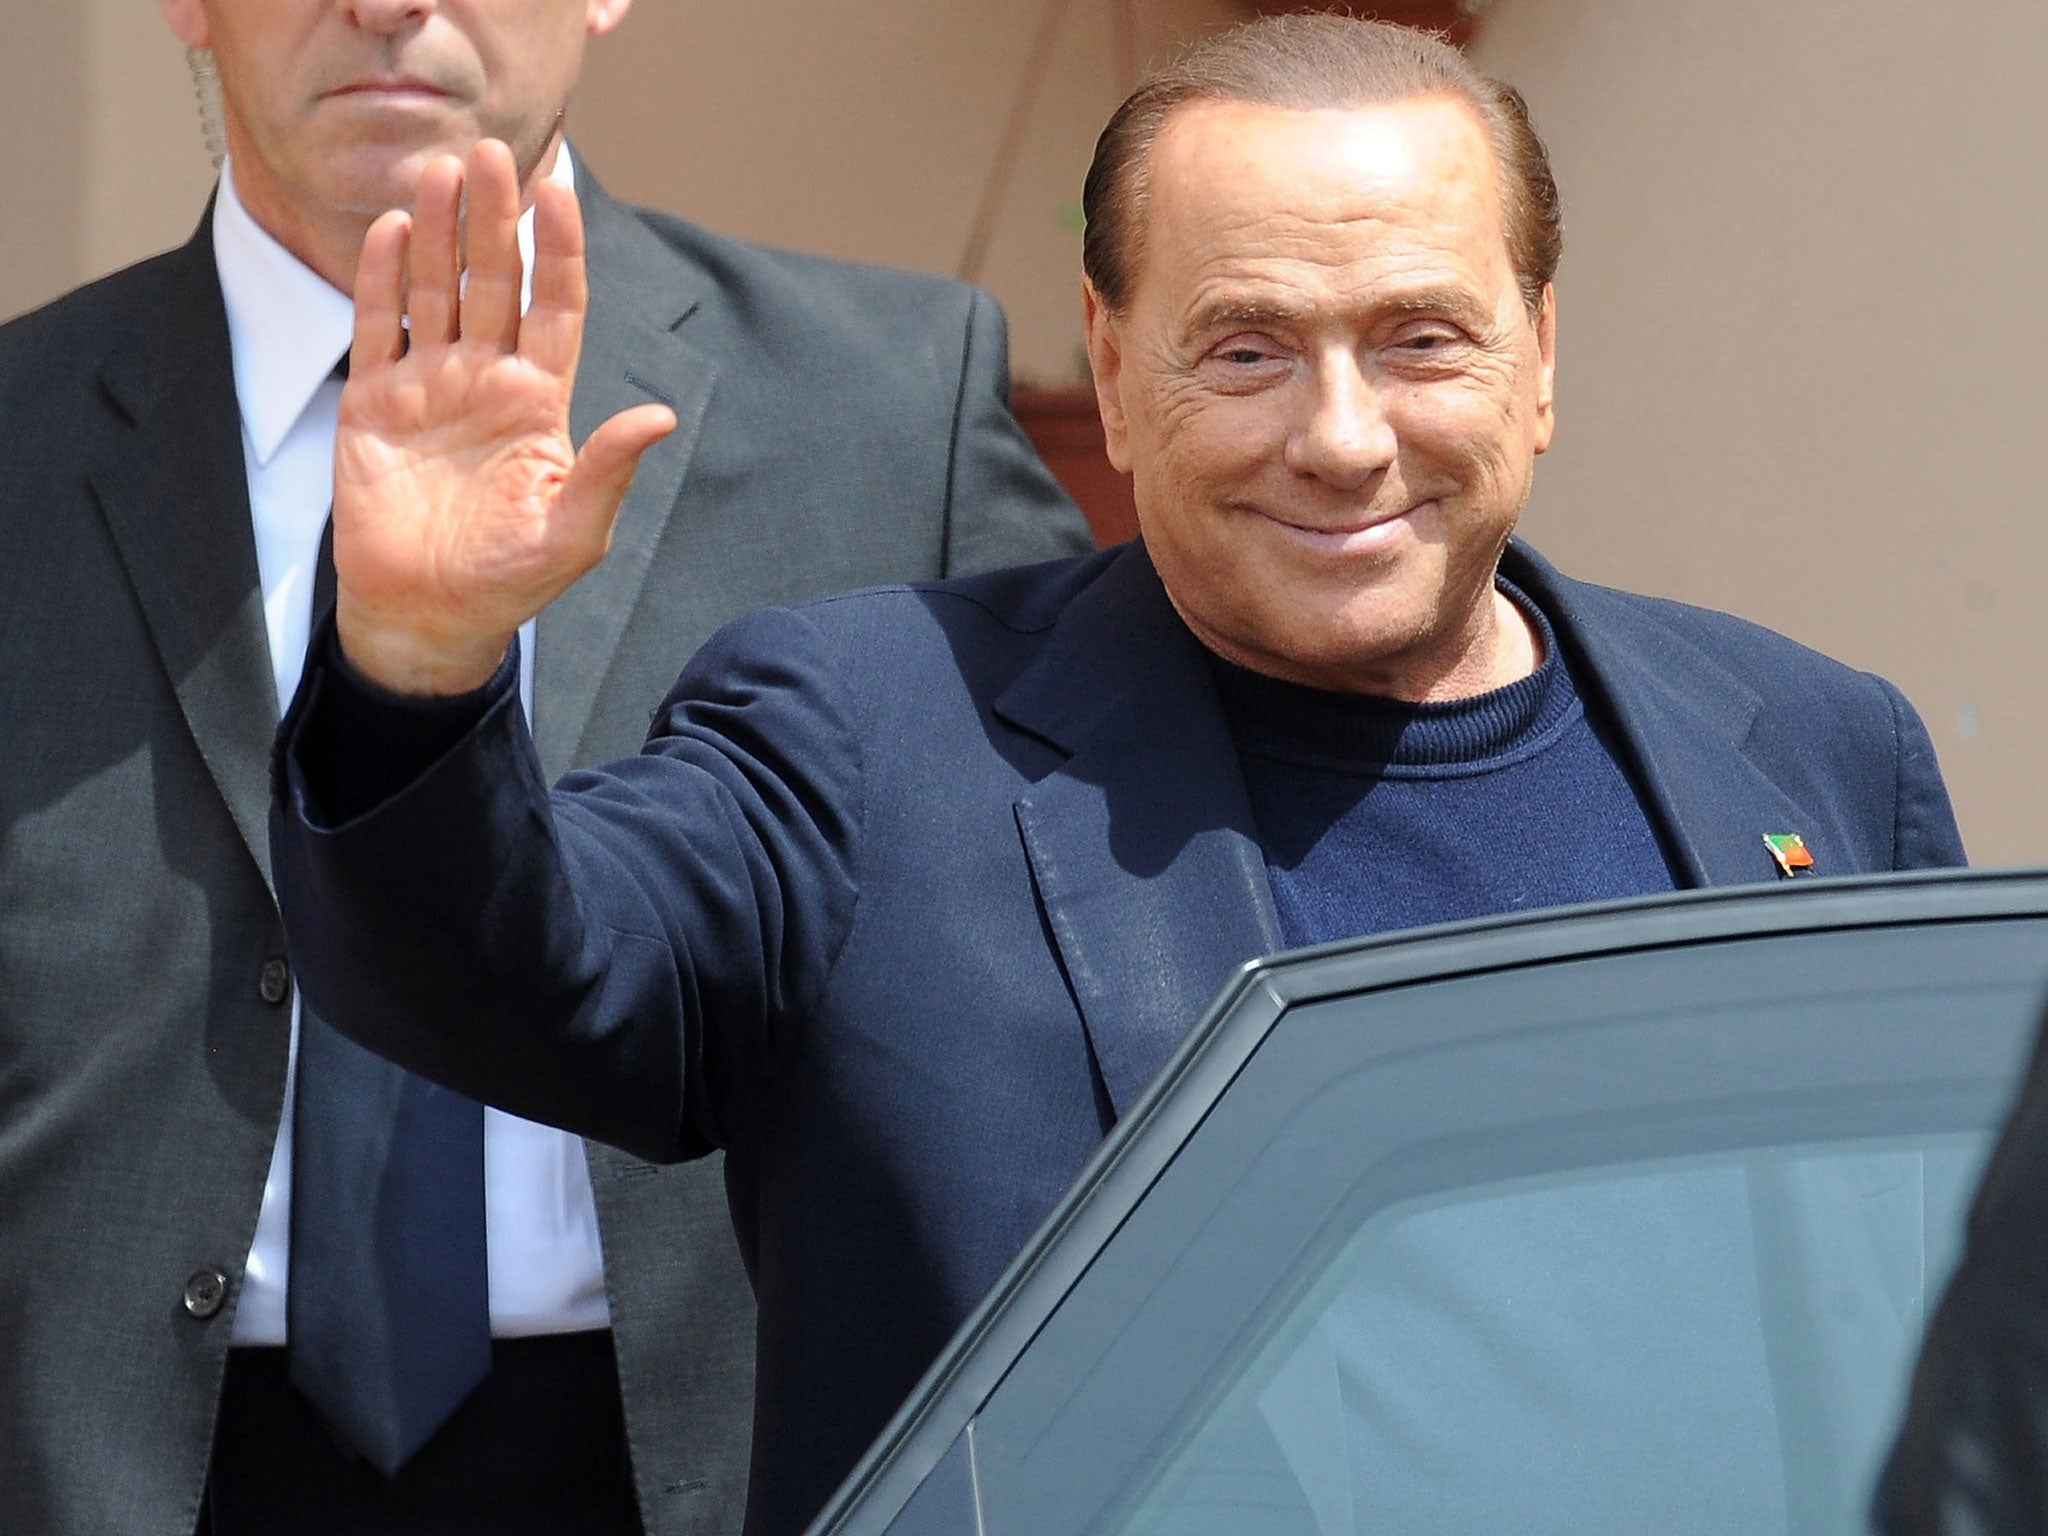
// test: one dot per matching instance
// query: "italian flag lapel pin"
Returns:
(1789, 852)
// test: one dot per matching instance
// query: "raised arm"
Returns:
(461, 508)
(629, 958)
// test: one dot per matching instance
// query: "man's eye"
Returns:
(1246, 353)
(1416, 343)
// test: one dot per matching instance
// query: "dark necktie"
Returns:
(388, 1302)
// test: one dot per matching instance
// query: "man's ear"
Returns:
(1546, 368)
(600, 16)
(187, 20)
(1105, 365)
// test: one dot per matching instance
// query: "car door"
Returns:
(1616, 1219)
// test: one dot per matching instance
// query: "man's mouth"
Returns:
(391, 87)
(1364, 535)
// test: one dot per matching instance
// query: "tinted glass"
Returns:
(1635, 1242)
(1702, 1346)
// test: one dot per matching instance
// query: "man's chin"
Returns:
(1340, 650)
(375, 179)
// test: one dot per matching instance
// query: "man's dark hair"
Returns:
(1306, 63)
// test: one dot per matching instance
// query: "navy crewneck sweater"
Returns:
(1377, 815)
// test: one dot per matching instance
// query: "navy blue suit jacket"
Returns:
(910, 893)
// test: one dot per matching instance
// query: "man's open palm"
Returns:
(461, 509)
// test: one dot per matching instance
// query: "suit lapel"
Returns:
(633, 352)
(1683, 721)
(1141, 844)
(166, 468)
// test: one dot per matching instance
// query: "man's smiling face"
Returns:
(1330, 391)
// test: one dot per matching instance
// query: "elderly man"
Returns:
(163, 485)
(910, 892)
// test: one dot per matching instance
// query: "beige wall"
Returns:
(146, 169)
(1803, 330)
(1804, 301)
(44, 63)
(868, 130)
(106, 165)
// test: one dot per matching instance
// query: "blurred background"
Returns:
(1803, 307)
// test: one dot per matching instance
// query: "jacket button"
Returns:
(274, 981)
(205, 1291)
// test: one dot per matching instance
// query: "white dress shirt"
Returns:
(288, 328)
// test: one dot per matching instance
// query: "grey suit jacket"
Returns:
(840, 426)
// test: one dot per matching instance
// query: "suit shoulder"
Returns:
(58, 361)
(1844, 743)
(1713, 627)
(898, 665)
(77, 328)
(892, 632)
(1662, 629)
(1021, 600)
(768, 282)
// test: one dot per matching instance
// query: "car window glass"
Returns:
(1437, 1254)
(1703, 1346)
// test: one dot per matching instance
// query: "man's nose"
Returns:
(387, 16)
(1345, 438)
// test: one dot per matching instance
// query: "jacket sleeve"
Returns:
(1003, 506)
(627, 957)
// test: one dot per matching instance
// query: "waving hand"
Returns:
(461, 509)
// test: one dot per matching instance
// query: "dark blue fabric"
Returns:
(911, 893)
(388, 1307)
(1376, 814)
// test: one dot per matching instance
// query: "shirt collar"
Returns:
(287, 325)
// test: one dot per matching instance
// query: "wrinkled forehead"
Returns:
(1225, 177)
